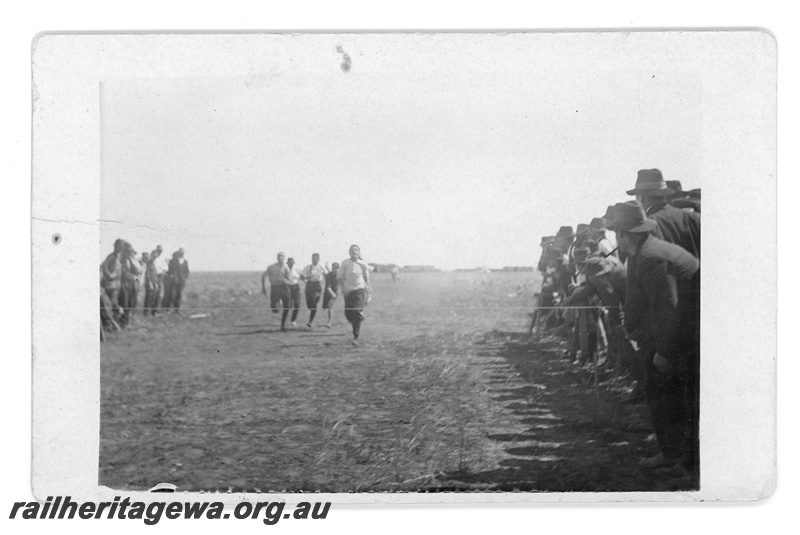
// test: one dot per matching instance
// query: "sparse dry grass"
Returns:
(445, 393)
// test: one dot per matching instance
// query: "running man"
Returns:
(294, 290)
(331, 291)
(279, 280)
(354, 279)
(314, 275)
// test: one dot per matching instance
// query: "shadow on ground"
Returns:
(577, 438)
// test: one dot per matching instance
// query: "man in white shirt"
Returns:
(314, 277)
(294, 289)
(606, 239)
(353, 278)
(159, 269)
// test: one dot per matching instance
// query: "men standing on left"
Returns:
(155, 278)
(129, 291)
(314, 277)
(353, 278)
(112, 276)
(177, 274)
(279, 281)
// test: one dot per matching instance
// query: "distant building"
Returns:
(515, 268)
(419, 269)
(382, 268)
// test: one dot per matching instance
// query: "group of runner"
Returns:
(352, 277)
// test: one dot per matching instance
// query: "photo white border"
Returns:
(739, 165)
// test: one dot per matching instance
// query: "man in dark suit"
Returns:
(673, 224)
(662, 315)
(111, 280)
(175, 280)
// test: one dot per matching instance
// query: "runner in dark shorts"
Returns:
(353, 278)
(294, 290)
(279, 294)
(314, 276)
(354, 303)
(279, 278)
(313, 295)
(331, 292)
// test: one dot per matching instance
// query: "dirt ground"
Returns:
(445, 393)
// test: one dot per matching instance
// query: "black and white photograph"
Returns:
(397, 264)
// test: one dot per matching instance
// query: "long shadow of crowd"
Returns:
(123, 276)
(624, 290)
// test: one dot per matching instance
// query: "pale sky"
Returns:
(453, 171)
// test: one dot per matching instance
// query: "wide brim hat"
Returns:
(629, 216)
(565, 232)
(608, 218)
(649, 182)
(674, 185)
(597, 223)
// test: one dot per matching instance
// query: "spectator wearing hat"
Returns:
(557, 273)
(111, 280)
(107, 320)
(175, 280)
(555, 282)
(677, 190)
(672, 224)
(581, 235)
(564, 239)
(605, 280)
(690, 202)
(605, 239)
(129, 290)
(546, 243)
(581, 322)
(662, 315)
